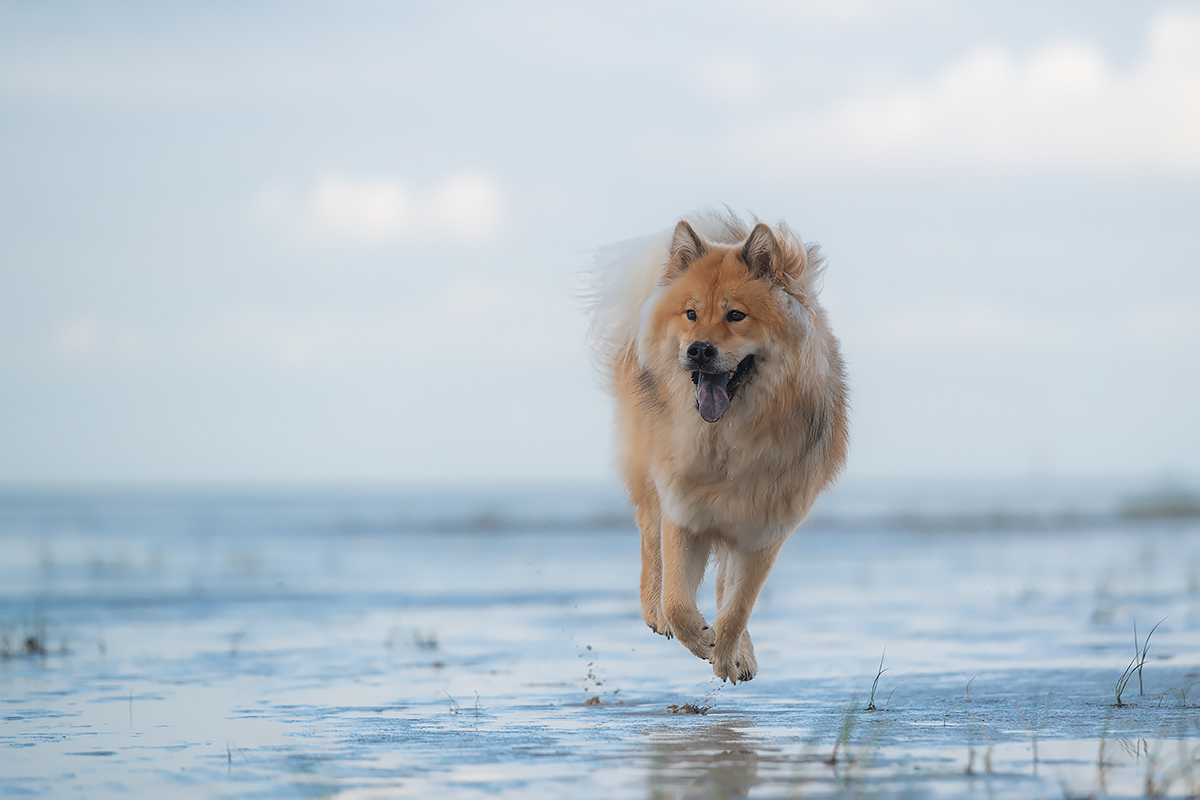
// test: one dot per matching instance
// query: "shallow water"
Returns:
(279, 647)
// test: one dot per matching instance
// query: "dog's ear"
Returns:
(686, 246)
(761, 252)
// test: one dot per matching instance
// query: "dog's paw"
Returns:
(660, 627)
(748, 664)
(696, 636)
(656, 621)
(736, 664)
(702, 645)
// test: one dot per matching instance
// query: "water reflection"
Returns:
(711, 759)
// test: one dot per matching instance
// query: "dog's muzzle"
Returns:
(715, 390)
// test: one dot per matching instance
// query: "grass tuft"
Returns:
(31, 641)
(1140, 652)
(875, 684)
(1145, 649)
(1183, 694)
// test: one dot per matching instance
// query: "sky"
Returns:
(296, 242)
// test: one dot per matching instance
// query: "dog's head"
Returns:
(722, 310)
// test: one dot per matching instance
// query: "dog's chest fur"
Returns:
(751, 483)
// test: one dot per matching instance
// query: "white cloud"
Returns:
(337, 210)
(465, 206)
(733, 79)
(88, 338)
(1064, 106)
(1166, 321)
(366, 212)
(968, 325)
(845, 12)
(469, 324)
(78, 337)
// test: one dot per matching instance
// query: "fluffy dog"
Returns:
(731, 414)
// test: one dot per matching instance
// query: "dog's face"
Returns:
(718, 317)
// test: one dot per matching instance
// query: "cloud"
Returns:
(466, 325)
(734, 78)
(1064, 107)
(466, 206)
(337, 210)
(965, 325)
(83, 338)
(367, 212)
(845, 12)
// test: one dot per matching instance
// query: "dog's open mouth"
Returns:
(715, 390)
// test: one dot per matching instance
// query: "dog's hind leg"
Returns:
(744, 575)
(649, 521)
(684, 557)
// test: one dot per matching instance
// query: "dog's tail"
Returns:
(625, 275)
(622, 278)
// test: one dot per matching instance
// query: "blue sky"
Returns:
(298, 242)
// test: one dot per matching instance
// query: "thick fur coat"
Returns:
(731, 414)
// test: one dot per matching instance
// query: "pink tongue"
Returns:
(712, 398)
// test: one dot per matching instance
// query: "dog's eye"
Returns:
(735, 316)
(691, 314)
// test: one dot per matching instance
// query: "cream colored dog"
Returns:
(731, 415)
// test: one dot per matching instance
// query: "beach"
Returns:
(367, 645)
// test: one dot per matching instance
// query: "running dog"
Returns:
(731, 414)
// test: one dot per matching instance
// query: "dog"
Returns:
(731, 414)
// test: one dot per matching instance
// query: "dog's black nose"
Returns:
(700, 353)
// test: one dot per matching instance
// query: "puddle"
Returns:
(241, 650)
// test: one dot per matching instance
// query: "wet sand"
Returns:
(210, 650)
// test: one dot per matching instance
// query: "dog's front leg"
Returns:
(743, 576)
(650, 523)
(684, 557)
